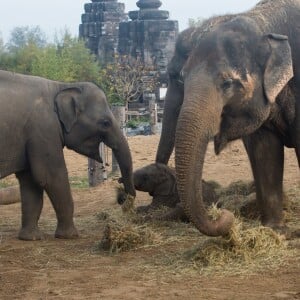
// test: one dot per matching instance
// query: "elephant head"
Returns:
(156, 179)
(86, 121)
(185, 42)
(231, 80)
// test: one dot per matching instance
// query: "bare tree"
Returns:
(127, 79)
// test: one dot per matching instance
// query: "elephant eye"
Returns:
(227, 83)
(105, 123)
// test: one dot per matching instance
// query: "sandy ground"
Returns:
(71, 269)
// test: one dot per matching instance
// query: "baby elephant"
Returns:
(159, 181)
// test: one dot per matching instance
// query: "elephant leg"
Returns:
(32, 203)
(266, 154)
(173, 102)
(59, 192)
(52, 176)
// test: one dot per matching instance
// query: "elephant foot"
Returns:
(284, 230)
(289, 233)
(66, 233)
(26, 234)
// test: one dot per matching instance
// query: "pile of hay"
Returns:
(240, 198)
(246, 246)
(239, 187)
(122, 233)
(249, 247)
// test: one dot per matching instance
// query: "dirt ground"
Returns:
(72, 269)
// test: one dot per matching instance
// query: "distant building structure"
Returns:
(100, 27)
(149, 34)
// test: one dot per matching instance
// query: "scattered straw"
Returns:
(128, 205)
(121, 233)
(243, 247)
(117, 238)
(236, 188)
(247, 249)
(126, 200)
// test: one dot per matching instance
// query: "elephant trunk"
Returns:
(123, 156)
(198, 122)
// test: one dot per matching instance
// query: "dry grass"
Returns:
(122, 232)
(248, 248)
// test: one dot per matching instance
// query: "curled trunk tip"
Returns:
(223, 224)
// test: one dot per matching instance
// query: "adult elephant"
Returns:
(241, 80)
(38, 117)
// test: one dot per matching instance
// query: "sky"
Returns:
(54, 16)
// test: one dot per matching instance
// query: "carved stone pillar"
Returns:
(100, 27)
(150, 34)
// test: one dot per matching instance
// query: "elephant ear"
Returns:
(279, 67)
(68, 107)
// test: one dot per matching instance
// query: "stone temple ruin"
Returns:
(100, 27)
(147, 33)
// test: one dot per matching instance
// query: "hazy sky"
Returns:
(56, 15)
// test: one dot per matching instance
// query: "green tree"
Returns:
(66, 60)
(2, 47)
(22, 59)
(84, 64)
(50, 65)
(24, 36)
(22, 49)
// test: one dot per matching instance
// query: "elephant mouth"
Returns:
(92, 152)
(98, 158)
(220, 143)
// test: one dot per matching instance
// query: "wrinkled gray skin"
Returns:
(160, 182)
(185, 42)
(38, 117)
(241, 80)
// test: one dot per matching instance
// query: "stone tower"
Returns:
(100, 27)
(149, 34)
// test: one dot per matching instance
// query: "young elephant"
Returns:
(160, 182)
(38, 118)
